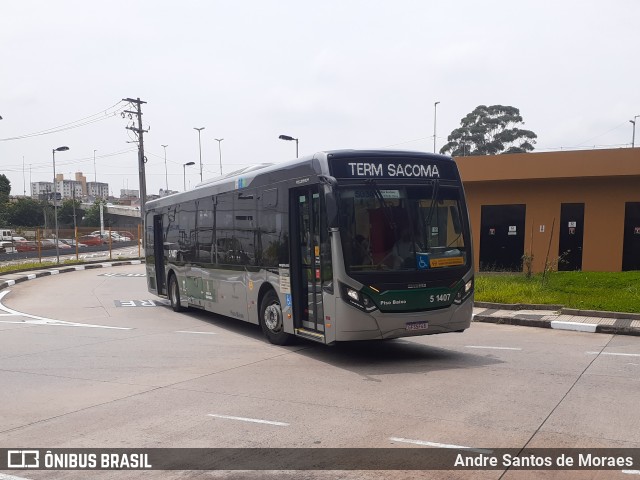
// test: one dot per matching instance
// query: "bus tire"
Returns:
(174, 294)
(271, 319)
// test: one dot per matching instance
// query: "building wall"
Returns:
(601, 179)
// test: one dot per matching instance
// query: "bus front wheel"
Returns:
(174, 294)
(271, 319)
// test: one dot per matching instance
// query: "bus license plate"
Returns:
(417, 326)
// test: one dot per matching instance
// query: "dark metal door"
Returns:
(631, 247)
(306, 285)
(571, 235)
(502, 237)
(158, 253)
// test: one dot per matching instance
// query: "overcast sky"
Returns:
(335, 74)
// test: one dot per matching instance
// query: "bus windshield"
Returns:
(402, 228)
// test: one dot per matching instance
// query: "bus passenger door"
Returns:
(158, 253)
(306, 285)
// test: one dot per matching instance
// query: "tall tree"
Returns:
(67, 210)
(490, 131)
(26, 212)
(92, 215)
(5, 188)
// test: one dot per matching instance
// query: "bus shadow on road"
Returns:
(379, 357)
(401, 355)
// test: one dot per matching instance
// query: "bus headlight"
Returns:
(464, 292)
(357, 299)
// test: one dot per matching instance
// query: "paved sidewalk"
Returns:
(542, 316)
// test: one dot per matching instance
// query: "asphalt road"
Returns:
(88, 359)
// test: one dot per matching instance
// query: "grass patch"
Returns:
(36, 265)
(608, 291)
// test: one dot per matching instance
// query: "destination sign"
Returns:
(411, 168)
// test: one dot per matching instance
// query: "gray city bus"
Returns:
(337, 246)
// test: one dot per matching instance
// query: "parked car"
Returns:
(26, 246)
(19, 239)
(61, 245)
(7, 247)
(114, 238)
(90, 240)
(124, 233)
(72, 243)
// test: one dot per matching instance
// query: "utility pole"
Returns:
(137, 104)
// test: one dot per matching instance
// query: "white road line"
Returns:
(11, 477)
(574, 326)
(493, 348)
(204, 333)
(631, 472)
(438, 445)
(615, 354)
(254, 420)
(35, 320)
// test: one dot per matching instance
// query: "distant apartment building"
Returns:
(126, 193)
(69, 189)
(41, 190)
(97, 190)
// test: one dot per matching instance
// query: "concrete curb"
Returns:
(33, 274)
(576, 326)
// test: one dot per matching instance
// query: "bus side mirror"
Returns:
(455, 219)
(332, 210)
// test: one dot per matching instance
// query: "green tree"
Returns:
(66, 211)
(92, 215)
(490, 131)
(5, 188)
(26, 212)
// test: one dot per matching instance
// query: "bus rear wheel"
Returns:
(174, 294)
(271, 320)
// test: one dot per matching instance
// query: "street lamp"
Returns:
(219, 140)
(166, 175)
(435, 117)
(184, 173)
(287, 137)
(55, 197)
(200, 148)
(633, 138)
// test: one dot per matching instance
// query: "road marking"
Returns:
(631, 472)
(11, 477)
(438, 445)
(35, 320)
(254, 420)
(203, 333)
(493, 348)
(574, 326)
(616, 354)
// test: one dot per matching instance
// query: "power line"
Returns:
(96, 117)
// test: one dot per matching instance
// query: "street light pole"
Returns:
(435, 118)
(287, 137)
(55, 197)
(633, 138)
(184, 174)
(95, 172)
(219, 140)
(166, 175)
(200, 148)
